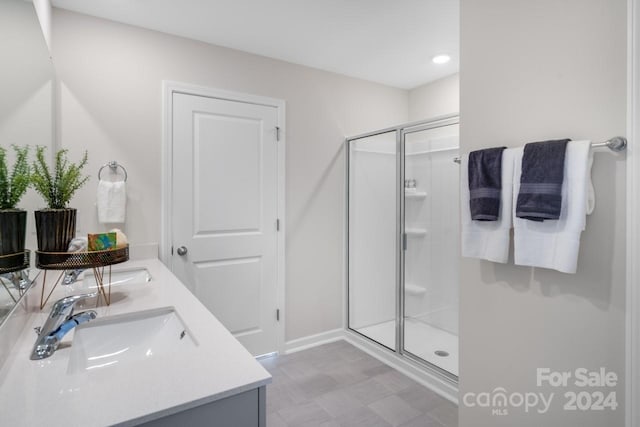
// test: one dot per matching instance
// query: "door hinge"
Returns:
(404, 241)
(278, 314)
(278, 224)
(277, 133)
(171, 250)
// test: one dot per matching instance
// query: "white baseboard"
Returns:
(311, 341)
(438, 384)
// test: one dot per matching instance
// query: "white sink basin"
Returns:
(131, 276)
(127, 338)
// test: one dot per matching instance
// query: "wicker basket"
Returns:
(14, 262)
(81, 260)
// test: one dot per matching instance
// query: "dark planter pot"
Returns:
(13, 230)
(55, 229)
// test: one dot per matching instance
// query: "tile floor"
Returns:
(337, 384)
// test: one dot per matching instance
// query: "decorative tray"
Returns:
(14, 262)
(81, 260)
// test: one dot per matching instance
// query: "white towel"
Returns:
(112, 201)
(79, 244)
(591, 197)
(555, 244)
(487, 240)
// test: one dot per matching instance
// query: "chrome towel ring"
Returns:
(113, 165)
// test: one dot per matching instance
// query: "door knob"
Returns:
(182, 250)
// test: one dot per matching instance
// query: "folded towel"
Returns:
(485, 183)
(112, 200)
(541, 180)
(79, 244)
(556, 244)
(488, 240)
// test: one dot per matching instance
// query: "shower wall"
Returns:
(372, 232)
(431, 259)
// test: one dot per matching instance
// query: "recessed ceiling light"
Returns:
(441, 59)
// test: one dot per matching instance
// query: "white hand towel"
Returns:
(487, 240)
(591, 196)
(555, 244)
(112, 201)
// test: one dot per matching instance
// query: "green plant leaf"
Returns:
(58, 188)
(14, 185)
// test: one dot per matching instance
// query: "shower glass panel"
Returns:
(431, 256)
(373, 236)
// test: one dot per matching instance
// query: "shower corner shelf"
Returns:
(415, 290)
(415, 194)
(415, 232)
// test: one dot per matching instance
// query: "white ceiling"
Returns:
(385, 41)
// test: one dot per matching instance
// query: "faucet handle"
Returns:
(64, 306)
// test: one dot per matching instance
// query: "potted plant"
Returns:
(56, 225)
(13, 185)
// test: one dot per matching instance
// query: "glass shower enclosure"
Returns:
(403, 240)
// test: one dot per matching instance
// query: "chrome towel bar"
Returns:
(113, 165)
(616, 144)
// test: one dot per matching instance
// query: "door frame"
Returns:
(633, 210)
(166, 232)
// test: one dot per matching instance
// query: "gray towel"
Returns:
(485, 183)
(540, 196)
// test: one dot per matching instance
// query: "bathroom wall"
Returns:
(532, 71)
(27, 87)
(44, 10)
(435, 99)
(110, 103)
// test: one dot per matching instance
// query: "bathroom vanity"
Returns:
(155, 357)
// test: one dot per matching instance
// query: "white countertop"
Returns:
(45, 392)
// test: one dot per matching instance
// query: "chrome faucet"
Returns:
(60, 321)
(71, 276)
(19, 280)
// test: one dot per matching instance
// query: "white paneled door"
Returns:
(224, 212)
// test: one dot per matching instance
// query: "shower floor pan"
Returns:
(422, 340)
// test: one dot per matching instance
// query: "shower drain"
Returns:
(441, 353)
